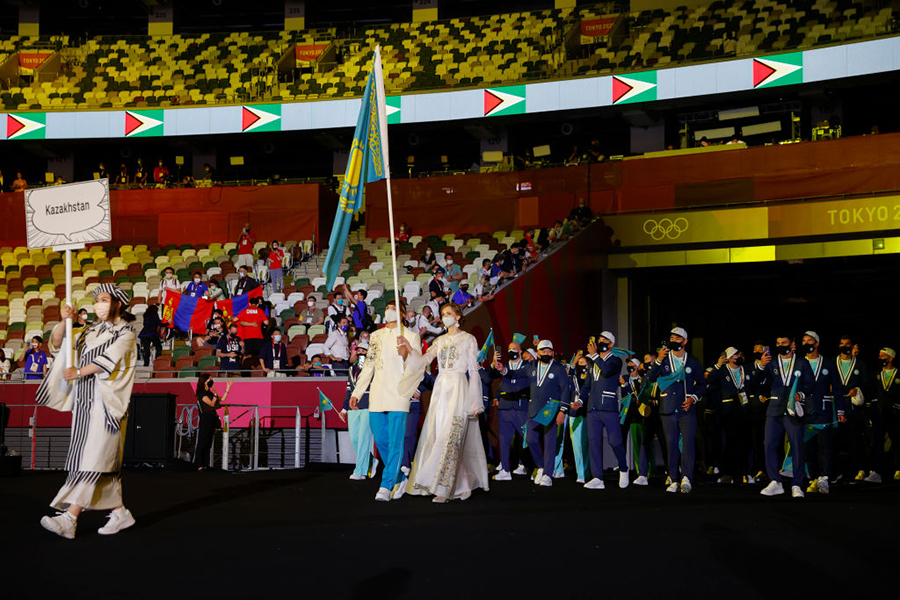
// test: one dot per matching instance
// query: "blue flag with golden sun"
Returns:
(368, 162)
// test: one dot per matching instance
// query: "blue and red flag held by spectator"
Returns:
(185, 313)
(233, 306)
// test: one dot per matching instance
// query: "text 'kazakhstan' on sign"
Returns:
(76, 213)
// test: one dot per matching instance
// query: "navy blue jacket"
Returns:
(731, 388)
(781, 383)
(362, 403)
(857, 377)
(514, 391)
(601, 388)
(827, 397)
(486, 381)
(555, 386)
(576, 385)
(694, 384)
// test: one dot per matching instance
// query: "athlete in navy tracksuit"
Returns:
(512, 406)
(412, 422)
(825, 409)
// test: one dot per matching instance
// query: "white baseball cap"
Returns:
(813, 335)
(545, 345)
(679, 331)
(731, 351)
(890, 352)
(609, 335)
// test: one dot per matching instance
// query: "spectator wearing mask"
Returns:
(168, 283)
(245, 283)
(438, 286)
(273, 356)
(316, 368)
(102, 173)
(207, 402)
(149, 335)
(251, 321)
(421, 324)
(81, 321)
(434, 306)
(35, 359)
(403, 236)
(5, 366)
(484, 290)
(581, 213)
(245, 247)
(209, 173)
(361, 319)
(485, 270)
(337, 346)
(275, 262)
(428, 259)
(140, 174)
(160, 173)
(312, 315)
(462, 297)
(215, 291)
(230, 351)
(453, 274)
(122, 177)
(215, 329)
(19, 184)
(196, 288)
(498, 272)
(339, 308)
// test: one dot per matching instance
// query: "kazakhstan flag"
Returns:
(368, 162)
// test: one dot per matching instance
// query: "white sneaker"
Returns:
(686, 485)
(537, 476)
(62, 525)
(119, 519)
(673, 487)
(822, 485)
(773, 489)
(546, 481)
(873, 477)
(374, 468)
(579, 480)
(797, 492)
(503, 476)
(623, 479)
(558, 475)
(383, 495)
(641, 480)
(499, 468)
(355, 477)
(520, 470)
(595, 484)
(399, 490)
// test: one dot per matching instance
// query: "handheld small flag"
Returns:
(622, 352)
(666, 381)
(623, 412)
(809, 432)
(483, 353)
(524, 435)
(518, 338)
(326, 405)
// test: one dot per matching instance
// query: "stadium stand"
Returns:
(229, 68)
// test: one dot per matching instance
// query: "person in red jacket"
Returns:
(245, 248)
(250, 323)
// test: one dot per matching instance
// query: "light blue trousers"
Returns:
(578, 435)
(389, 429)
(361, 438)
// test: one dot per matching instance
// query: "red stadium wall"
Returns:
(515, 200)
(201, 215)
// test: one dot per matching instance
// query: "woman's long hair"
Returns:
(201, 384)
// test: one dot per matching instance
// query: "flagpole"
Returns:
(382, 118)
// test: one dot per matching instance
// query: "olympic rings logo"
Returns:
(665, 228)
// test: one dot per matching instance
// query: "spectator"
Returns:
(453, 274)
(462, 297)
(428, 259)
(2, 182)
(729, 46)
(149, 335)
(484, 290)
(5, 366)
(187, 181)
(196, 288)
(216, 291)
(160, 173)
(81, 320)
(515, 259)
(581, 213)
(498, 273)
(339, 307)
(316, 367)
(485, 270)
(59, 180)
(245, 247)
(594, 154)
(35, 360)
(312, 315)
(403, 236)
(168, 283)
(251, 321)
(337, 346)
(275, 262)
(102, 173)
(122, 177)
(638, 61)
(215, 329)
(361, 318)
(230, 351)
(245, 283)
(209, 173)
(421, 324)
(207, 402)
(704, 143)
(140, 174)
(273, 356)
(437, 286)
(19, 184)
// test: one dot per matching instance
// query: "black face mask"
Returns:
(885, 362)
(647, 365)
(581, 371)
(846, 350)
(545, 358)
(631, 369)
(513, 355)
(757, 355)
(783, 350)
(674, 346)
(602, 346)
(739, 361)
(809, 348)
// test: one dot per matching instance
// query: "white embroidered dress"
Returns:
(99, 406)
(450, 459)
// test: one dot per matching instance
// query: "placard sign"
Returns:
(68, 215)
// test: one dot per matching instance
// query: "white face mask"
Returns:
(170, 275)
(277, 337)
(449, 262)
(101, 309)
(196, 280)
(390, 315)
(449, 321)
(311, 304)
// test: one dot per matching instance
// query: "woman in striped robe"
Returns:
(97, 392)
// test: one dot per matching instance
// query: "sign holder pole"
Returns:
(69, 342)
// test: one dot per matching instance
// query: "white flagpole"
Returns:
(382, 125)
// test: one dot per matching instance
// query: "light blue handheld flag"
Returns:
(483, 353)
(368, 162)
(324, 403)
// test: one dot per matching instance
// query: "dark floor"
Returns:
(316, 534)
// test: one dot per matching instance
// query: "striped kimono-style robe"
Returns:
(99, 407)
